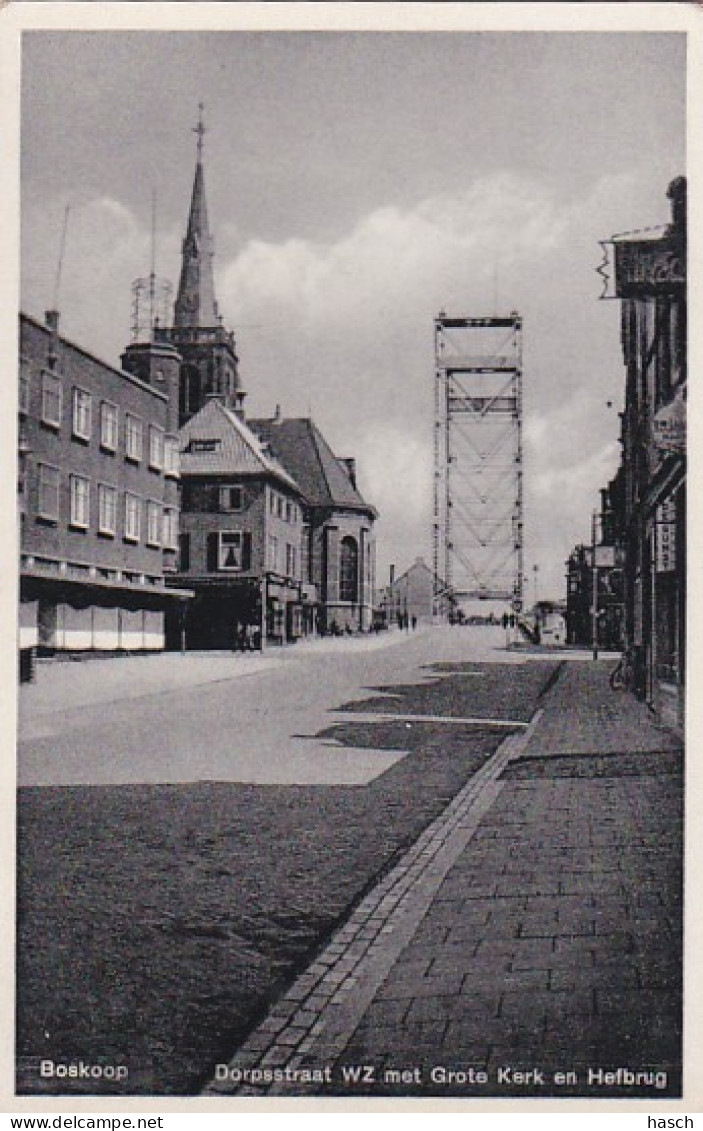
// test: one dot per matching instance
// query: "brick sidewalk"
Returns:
(534, 930)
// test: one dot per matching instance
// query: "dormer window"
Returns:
(199, 447)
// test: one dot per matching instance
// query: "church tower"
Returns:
(209, 368)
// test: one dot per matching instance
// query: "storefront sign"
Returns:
(649, 267)
(666, 537)
(669, 426)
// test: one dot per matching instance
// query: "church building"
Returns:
(305, 547)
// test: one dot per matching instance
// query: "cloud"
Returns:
(342, 329)
(394, 260)
(348, 335)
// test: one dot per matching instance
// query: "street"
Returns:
(183, 853)
(260, 723)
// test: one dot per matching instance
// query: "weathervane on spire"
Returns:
(200, 131)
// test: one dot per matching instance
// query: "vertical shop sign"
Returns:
(666, 537)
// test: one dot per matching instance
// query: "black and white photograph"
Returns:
(351, 538)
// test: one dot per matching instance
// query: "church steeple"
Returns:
(210, 365)
(195, 302)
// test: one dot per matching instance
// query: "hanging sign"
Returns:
(649, 267)
(669, 425)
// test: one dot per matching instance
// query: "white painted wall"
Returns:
(106, 630)
(28, 628)
(154, 630)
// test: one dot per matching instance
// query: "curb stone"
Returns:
(361, 953)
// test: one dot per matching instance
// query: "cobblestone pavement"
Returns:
(530, 942)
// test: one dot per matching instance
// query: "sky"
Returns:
(357, 184)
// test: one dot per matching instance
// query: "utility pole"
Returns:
(263, 588)
(594, 586)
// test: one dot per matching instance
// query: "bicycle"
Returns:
(617, 676)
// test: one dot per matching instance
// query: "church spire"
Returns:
(208, 352)
(195, 303)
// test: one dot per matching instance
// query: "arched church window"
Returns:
(348, 570)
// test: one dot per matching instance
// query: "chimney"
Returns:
(277, 415)
(350, 467)
(392, 576)
(51, 320)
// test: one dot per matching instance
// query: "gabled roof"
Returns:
(418, 566)
(304, 452)
(216, 442)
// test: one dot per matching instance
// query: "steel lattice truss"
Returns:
(478, 524)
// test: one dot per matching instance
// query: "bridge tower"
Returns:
(478, 490)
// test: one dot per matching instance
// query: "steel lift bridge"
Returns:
(478, 508)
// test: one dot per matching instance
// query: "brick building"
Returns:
(241, 539)
(97, 494)
(608, 577)
(650, 281)
(411, 593)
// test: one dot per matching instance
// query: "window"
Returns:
(156, 447)
(348, 570)
(231, 498)
(170, 529)
(289, 511)
(132, 512)
(291, 561)
(198, 447)
(171, 456)
(23, 396)
(273, 553)
(279, 506)
(107, 510)
(184, 552)
(48, 502)
(108, 426)
(80, 502)
(51, 400)
(133, 437)
(230, 550)
(153, 524)
(81, 414)
(272, 502)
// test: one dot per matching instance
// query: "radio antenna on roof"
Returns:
(59, 266)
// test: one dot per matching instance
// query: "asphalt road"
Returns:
(260, 723)
(182, 854)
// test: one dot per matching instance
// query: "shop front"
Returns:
(284, 611)
(64, 609)
(223, 616)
